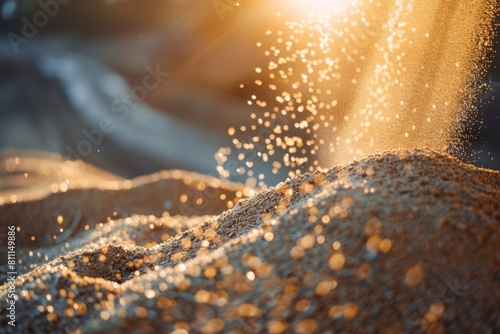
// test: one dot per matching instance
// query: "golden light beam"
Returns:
(318, 6)
(363, 76)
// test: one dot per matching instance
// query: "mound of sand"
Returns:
(397, 242)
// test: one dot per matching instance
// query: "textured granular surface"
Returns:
(397, 242)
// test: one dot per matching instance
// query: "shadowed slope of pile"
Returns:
(51, 218)
(402, 241)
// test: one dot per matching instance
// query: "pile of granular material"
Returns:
(402, 241)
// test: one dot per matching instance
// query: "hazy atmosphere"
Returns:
(284, 166)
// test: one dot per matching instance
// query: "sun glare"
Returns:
(347, 78)
(318, 6)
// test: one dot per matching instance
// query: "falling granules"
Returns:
(396, 242)
(360, 77)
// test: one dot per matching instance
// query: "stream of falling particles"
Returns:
(350, 78)
(401, 242)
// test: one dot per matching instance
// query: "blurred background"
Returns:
(134, 87)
